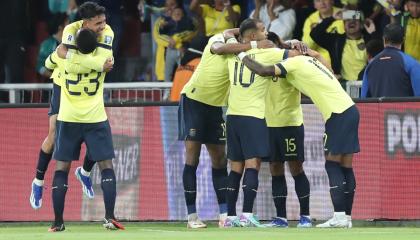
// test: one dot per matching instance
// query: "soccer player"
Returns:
(247, 132)
(315, 80)
(82, 117)
(47, 146)
(200, 121)
(284, 119)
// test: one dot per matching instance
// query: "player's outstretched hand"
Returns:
(265, 44)
(298, 45)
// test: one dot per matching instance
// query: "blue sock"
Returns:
(250, 188)
(190, 187)
(234, 180)
(349, 188)
(88, 164)
(109, 188)
(59, 190)
(279, 191)
(302, 189)
(220, 182)
(42, 166)
(336, 179)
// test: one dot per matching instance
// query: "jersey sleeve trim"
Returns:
(283, 70)
(102, 45)
(69, 46)
(286, 54)
(50, 58)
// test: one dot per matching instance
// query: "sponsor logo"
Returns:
(402, 133)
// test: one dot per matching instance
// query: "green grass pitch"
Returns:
(178, 231)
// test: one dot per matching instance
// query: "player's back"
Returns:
(316, 81)
(248, 90)
(209, 83)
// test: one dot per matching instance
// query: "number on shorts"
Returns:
(290, 144)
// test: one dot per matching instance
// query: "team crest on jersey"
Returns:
(108, 40)
(69, 38)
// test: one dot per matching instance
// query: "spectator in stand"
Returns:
(373, 48)
(392, 73)
(325, 9)
(277, 17)
(170, 28)
(55, 28)
(154, 12)
(410, 21)
(170, 33)
(219, 16)
(347, 50)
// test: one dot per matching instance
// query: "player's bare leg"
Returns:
(44, 159)
(220, 177)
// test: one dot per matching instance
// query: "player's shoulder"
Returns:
(217, 38)
(70, 31)
(107, 36)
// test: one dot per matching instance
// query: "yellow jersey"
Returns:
(311, 22)
(215, 21)
(56, 65)
(282, 106)
(316, 81)
(209, 83)
(411, 40)
(354, 59)
(248, 90)
(82, 92)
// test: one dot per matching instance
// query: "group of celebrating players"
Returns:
(261, 84)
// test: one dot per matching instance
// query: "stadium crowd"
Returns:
(154, 37)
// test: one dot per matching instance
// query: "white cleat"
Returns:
(194, 222)
(222, 220)
(339, 220)
(350, 224)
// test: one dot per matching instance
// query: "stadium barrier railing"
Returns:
(113, 92)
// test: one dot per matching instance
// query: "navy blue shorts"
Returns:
(55, 100)
(70, 136)
(287, 143)
(342, 132)
(200, 122)
(247, 137)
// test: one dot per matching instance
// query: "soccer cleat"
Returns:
(112, 224)
(195, 222)
(339, 220)
(86, 183)
(304, 222)
(350, 224)
(231, 221)
(250, 221)
(57, 227)
(36, 196)
(278, 222)
(222, 219)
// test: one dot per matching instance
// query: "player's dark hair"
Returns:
(274, 38)
(393, 33)
(374, 46)
(86, 40)
(248, 24)
(90, 9)
(56, 21)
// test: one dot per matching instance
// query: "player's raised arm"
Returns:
(259, 68)
(229, 45)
